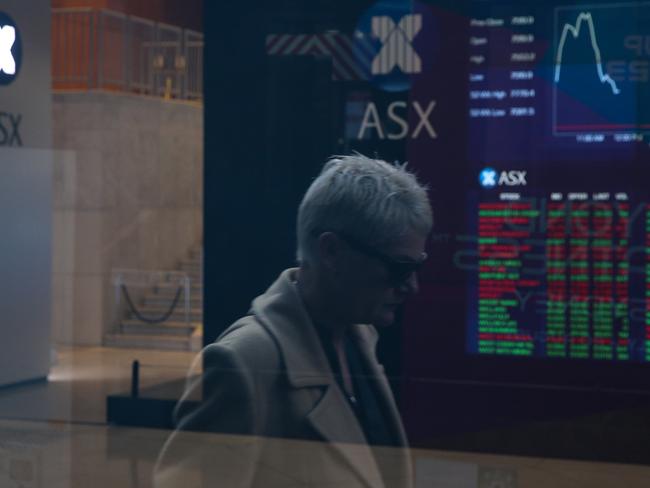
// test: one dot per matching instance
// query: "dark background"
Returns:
(270, 123)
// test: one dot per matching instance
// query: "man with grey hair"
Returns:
(298, 376)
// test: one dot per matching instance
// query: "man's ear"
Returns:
(330, 250)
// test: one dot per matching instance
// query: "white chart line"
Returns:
(575, 32)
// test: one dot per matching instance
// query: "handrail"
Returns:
(106, 49)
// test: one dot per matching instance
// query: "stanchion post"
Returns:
(188, 302)
(135, 378)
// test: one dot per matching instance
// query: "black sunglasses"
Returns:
(398, 271)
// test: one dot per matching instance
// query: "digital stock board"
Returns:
(529, 121)
(560, 218)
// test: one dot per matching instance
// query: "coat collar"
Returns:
(280, 309)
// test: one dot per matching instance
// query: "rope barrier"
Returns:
(148, 320)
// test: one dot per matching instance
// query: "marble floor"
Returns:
(82, 377)
(54, 435)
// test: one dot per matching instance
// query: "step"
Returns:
(194, 276)
(166, 301)
(154, 311)
(148, 341)
(193, 267)
(194, 284)
(170, 290)
(169, 328)
(157, 310)
(174, 317)
(171, 294)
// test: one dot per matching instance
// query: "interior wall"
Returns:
(25, 263)
(25, 197)
(128, 182)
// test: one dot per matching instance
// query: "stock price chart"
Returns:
(547, 80)
(600, 71)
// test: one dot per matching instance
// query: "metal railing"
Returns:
(103, 49)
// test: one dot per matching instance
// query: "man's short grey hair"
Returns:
(373, 201)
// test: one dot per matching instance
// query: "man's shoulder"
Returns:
(249, 341)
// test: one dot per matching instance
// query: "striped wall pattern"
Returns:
(396, 39)
(350, 60)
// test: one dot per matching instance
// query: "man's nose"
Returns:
(410, 284)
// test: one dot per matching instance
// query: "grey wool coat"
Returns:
(272, 413)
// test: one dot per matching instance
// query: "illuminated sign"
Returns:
(489, 178)
(396, 115)
(397, 50)
(386, 42)
(10, 50)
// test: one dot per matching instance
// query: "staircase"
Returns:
(175, 333)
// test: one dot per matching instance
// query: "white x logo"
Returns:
(7, 39)
(397, 49)
(488, 177)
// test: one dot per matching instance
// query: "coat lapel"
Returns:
(281, 312)
(334, 420)
(367, 340)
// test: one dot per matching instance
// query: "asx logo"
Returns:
(7, 39)
(396, 39)
(489, 178)
(10, 50)
(397, 116)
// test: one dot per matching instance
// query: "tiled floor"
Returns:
(54, 435)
